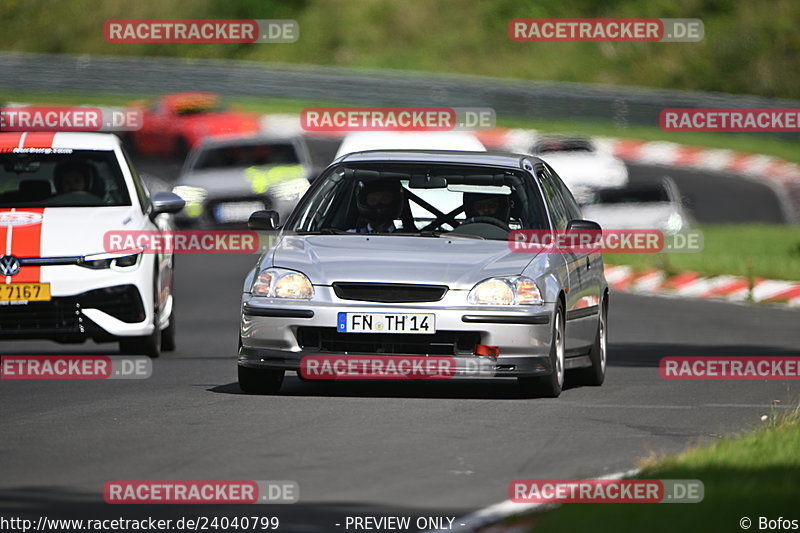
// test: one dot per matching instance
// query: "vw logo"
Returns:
(9, 265)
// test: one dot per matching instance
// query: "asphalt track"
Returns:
(367, 448)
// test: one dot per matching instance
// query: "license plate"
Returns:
(386, 323)
(236, 211)
(25, 292)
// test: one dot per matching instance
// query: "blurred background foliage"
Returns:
(749, 47)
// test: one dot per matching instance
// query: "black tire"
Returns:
(260, 380)
(595, 375)
(551, 385)
(149, 345)
(168, 335)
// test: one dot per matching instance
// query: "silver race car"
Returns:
(407, 253)
(227, 178)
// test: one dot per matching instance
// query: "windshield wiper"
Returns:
(449, 234)
(327, 231)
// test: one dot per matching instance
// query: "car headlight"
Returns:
(289, 190)
(194, 197)
(512, 290)
(280, 283)
(116, 260)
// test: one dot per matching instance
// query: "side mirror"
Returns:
(588, 231)
(583, 225)
(264, 220)
(166, 202)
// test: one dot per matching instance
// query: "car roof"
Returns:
(71, 140)
(498, 159)
(361, 141)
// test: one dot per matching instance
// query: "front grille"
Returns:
(63, 314)
(55, 316)
(440, 343)
(389, 292)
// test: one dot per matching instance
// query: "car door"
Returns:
(163, 261)
(592, 277)
(580, 327)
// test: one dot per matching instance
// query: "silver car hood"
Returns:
(458, 263)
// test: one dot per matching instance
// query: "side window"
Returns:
(141, 191)
(554, 202)
(573, 210)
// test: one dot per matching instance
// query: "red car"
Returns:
(176, 123)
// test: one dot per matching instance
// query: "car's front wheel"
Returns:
(550, 386)
(260, 380)
(595, 375)
(149, 345)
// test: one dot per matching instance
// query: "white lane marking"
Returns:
(504, 509)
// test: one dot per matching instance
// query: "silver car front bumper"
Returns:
(277, 333)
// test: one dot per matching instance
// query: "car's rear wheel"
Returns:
(550, 386)
(595, 375)
(260, 380)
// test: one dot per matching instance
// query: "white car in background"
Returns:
(641, 206)
(60, 193)
(581, 164)
(362, 141)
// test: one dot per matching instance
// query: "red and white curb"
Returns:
(783, 175)
(694, 285)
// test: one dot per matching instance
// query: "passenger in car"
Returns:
(379, 203)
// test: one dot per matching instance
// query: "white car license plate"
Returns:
(236, 211)
(386, 323)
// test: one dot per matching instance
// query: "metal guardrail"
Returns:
(513, 98)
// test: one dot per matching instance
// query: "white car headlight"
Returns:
(513, 290)
(114, 260)
(280, 283)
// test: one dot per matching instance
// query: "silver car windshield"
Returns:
(420, 199)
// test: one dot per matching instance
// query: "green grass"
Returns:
(749, 47)
(748, 143)
(766, 251)
(753, 474)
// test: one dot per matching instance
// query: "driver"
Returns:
(486, 205)
(379, 203)
(72, 176)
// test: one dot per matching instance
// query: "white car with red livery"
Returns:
(60, 193)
